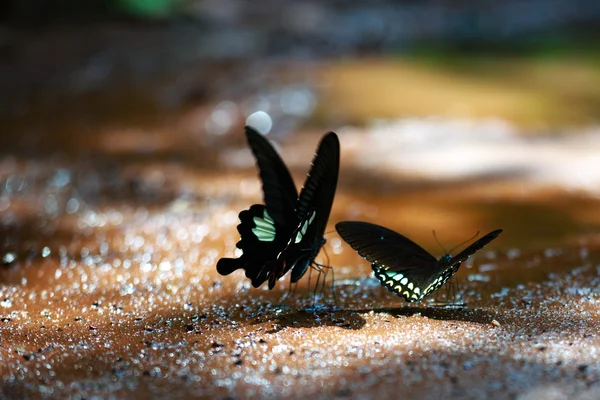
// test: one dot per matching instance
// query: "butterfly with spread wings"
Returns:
(286, 233)
(401, 265)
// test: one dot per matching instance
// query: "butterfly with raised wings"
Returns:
(401, 265)
(285, 233)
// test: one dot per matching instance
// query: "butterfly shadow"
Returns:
(478, 315)
(313, 317)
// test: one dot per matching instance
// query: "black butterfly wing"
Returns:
(401, 265)
(314, 204)
(476, 246)
(264, 229)
(385, 247)
(313, 209)
(319, 188)
(280, 194)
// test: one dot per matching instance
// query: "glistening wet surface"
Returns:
(109, 286)
(110, 240)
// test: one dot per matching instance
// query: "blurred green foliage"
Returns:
(148, 8)
(48, 12)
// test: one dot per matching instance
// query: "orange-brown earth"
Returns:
(109, 286)
(113, 215)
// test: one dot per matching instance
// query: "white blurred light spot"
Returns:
(9, 257)
(260, 121)
(61, 178)
(165, 265)
(146, 267)
(336, 243)
(298, 102)
(72, 205)
(222, 118)
(4, 203)
(249, 186)
(51, 204)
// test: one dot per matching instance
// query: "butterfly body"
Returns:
(286, 233)
(402, 266)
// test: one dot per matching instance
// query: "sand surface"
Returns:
(109, 287)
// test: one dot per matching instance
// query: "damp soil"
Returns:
(118, 196)
(108, 286)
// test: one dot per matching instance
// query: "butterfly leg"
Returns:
(291, 292)
(324, 269)
(449, 289)
(309, 275)
(457, 298)
(332, 287)
(311, 267)
(327, 268)
(453, 297)
(319, 271)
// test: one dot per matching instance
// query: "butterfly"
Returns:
(401, 265)
(285, 233)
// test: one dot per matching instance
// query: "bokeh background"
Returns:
(435, 93)
(123, 166)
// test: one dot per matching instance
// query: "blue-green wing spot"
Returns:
(411, 285)
(399, 284)
(304, 227)
(264, 229)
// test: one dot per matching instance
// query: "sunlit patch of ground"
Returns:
(109, 285)
(536, 93)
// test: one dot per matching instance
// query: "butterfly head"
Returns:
(446, 259)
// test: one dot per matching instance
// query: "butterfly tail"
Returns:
(226, 266)
(253, 254)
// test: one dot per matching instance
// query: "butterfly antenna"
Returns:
(466, 241)
(438, 242)
(329, 233)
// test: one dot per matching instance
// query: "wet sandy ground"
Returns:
(109, 286)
